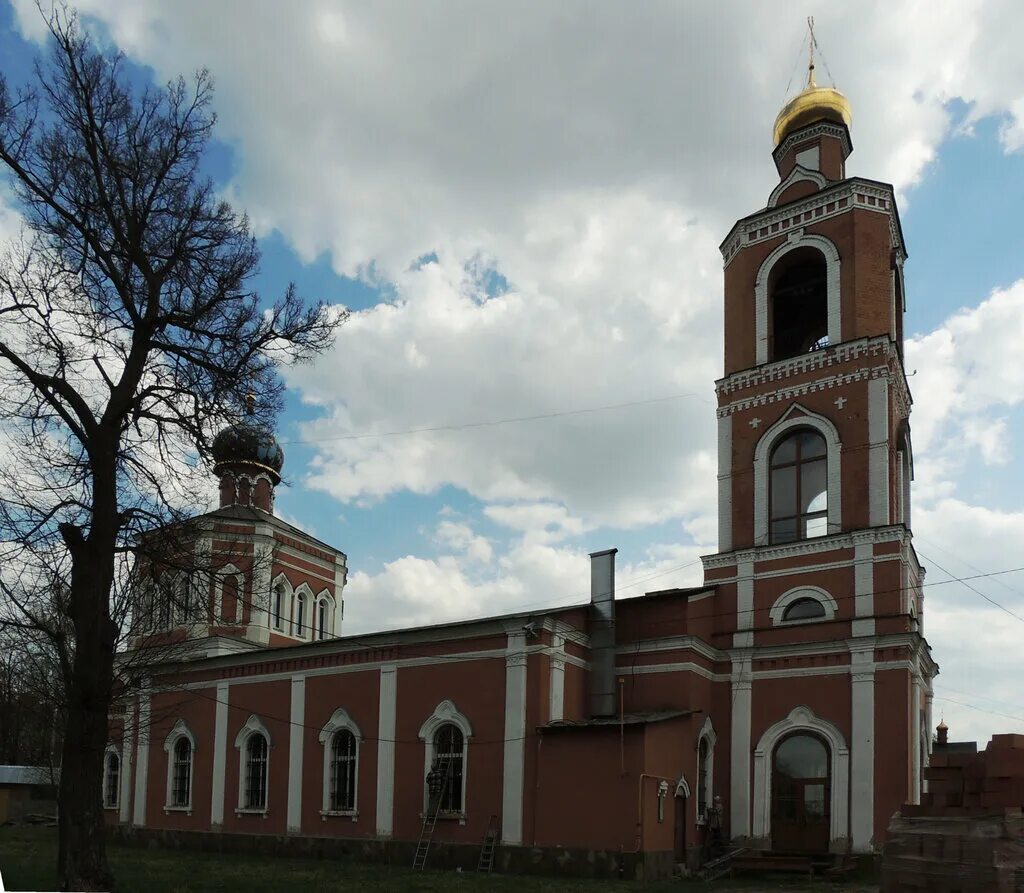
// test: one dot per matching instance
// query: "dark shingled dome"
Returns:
(248, 445)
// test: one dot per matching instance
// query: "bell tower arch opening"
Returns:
(798, 303)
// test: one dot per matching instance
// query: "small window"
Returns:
(229, 599)
(799, 487)
(321, 620)
(343, 772)
(445, 777)
(112, 780)
(181, 774)
(804, 609)
(299, 626)
(256, 772)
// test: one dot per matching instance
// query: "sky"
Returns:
(521, 204)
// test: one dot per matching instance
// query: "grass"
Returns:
(28, 859)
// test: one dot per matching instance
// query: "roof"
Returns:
(28, 775)
(627, 719)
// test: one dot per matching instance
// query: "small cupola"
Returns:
(248, 460)
(812, 130)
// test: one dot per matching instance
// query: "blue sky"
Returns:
(522, 209)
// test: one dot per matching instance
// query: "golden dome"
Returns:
(813, 104)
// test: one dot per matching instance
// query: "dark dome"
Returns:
(244, 444)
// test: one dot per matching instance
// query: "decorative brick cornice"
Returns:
(892, 533)
(824, 128)
(770, 223)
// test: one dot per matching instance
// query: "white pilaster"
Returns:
(744, 636)
(739, 799)
(220, 752)
(295, 739)
(915, 740)
(725, 483)
(862, 746)
(878, 452)
(515, 740)
(864, 589)
(386, 750)
(142, 761)
(126, 767)
(556, 676)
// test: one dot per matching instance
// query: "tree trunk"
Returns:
(81, 855)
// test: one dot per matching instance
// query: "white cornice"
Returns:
(850, 194)
(799, 174)
(890, 534)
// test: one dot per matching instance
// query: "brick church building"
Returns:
(784, 705)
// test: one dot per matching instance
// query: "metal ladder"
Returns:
(486, 862)
(444, 768)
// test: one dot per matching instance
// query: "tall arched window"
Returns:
(181, 774)
(299, 627)
(278, 607)
(229, 599)
(321, 619)
(256, 751)
(447, 768)
(111, 779)
(799, 303)
(703, 752)
(799, 487)
(342, 788)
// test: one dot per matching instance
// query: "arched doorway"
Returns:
(801, 794)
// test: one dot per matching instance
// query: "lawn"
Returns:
(28, 855)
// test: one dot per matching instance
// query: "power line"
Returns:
(974, 589)
(494, 422)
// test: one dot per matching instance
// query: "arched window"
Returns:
(299, 626)
(804, 609)
(342, 787)
(703, 751)
(799, 487)
(183, 600)
(256, 754)
(229, 607)
(445, 777)
(799, 303)
(181, 778)
(321, 619)
(278, 606)
(180, 747)
(111, 779)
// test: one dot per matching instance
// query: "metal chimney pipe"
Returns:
(602, 633)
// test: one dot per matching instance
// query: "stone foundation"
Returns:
(507, 859)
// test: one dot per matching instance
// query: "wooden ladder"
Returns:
(487, 851)
(444, 768)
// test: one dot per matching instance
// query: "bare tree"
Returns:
(128, 334)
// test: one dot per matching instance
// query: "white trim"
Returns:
(220, 759)
(142, 763)
(744, 636)
(797, 239)
(112, 749)
(323, 597)
(446, 712)
(340, 721)
(285, 620)
(556, 679)
(862, 732)
(802, 719)
(180, 730)
(724, 483)
(386, 724)
(296, 727)
(305, 593)
(762, 457)
(739, 751)
(864, 589)
(878, 452)
(514, 757)
(778, 610)
(799, 174)
(253, 726)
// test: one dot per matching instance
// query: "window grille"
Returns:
(343, 772)
(110, 790)
(256, 772)
(448, 757)
(181, 777)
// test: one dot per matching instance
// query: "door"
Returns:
(801, 784)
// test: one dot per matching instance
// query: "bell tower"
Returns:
(819, 589)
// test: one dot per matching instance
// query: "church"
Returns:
(782, 706)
